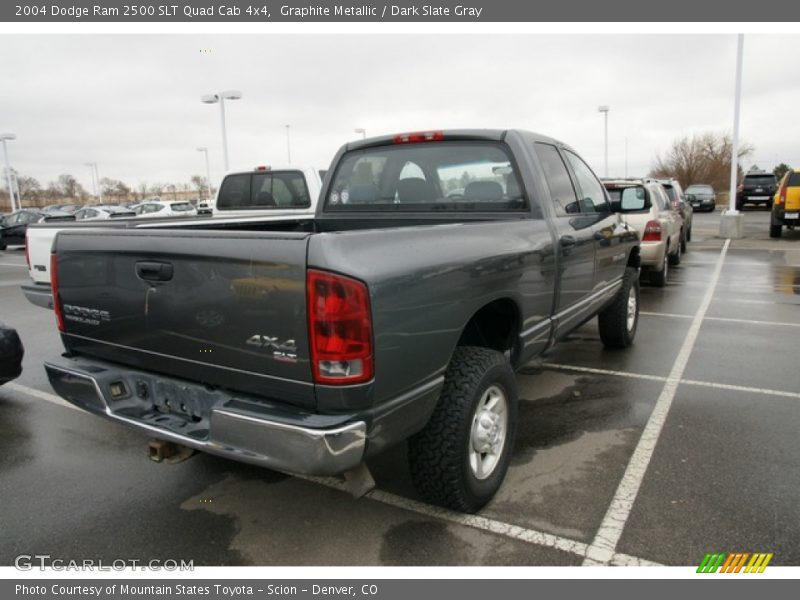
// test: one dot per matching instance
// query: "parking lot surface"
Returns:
(683, 445)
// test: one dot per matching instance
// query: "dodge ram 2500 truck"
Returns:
(436, 264)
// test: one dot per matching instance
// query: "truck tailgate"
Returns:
(227, 309)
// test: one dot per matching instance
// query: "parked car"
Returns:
(14, 226)
(166, 208)
(659, 224)
(756, 188)
(204, 207)
(397, 313)
(11, 353)
(702, 197)
(786, 204)
(679, 202)
(98, 213)
(61, 208)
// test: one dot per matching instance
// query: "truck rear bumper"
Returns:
(214, 421)
(39, 294)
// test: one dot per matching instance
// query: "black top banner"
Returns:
(477, 11)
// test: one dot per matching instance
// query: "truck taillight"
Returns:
(419, 136)
(652, 232)
(340, 329)
(54, 289)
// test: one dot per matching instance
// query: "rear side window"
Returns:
(794, 180)
(662, 199)
(433, 176)
(276, 189)
(759, 179)
(671, 193)
(558, 181)
(182, 206)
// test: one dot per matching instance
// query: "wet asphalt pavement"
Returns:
(722, 473)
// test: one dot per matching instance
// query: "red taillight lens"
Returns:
(782, 195)
(419, 136)
(54, 289)
(340, 329)
(652, 232)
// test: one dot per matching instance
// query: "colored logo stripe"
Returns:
(735, 562)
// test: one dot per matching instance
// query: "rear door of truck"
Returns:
(224, 308)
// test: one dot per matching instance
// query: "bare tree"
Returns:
(70, 187)
(701, 158)
(780, 170)
(29, 188)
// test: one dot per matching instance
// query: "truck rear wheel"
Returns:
(461, 456)
(775, 231)
(617, 323)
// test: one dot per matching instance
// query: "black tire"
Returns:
(684, 239)
(439, 455)
(775, 231)
(659, 278)
(689, 234)
(616, 329)
(2, 246)
(739, 205)
(675, 259)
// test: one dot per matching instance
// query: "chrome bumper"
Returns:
(230, 426)
(39, 294)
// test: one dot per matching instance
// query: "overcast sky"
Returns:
(132, 102)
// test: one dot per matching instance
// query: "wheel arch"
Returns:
(496, 325)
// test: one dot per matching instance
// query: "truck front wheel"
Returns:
(618, 321)
(461, 456)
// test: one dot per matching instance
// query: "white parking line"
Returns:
(723, 319)
(602, 549)
(13, 265)
(523, 534)
(740, 388)
(711, 384)
(604, 372)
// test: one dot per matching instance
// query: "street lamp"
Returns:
(220, 98)
(98, 189)
(604, 109)
(6, 137)
(94, 183)
(288, 146)
(204, 150)
(362, 131)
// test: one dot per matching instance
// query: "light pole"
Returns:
(362, 131)
(94, 181)
(98, 189)
(288, 146)
(220, 98)
(6, 137)
(731, 224)
(735, 144)
(204, 150)
(604, 109)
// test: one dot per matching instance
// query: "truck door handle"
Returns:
(568, 241)
(154, 271)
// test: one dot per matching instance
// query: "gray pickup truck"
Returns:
(436, 264)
